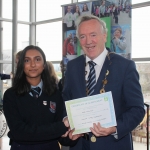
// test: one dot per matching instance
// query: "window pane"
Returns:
(144, 72)
(58, 70)
(139, 1)
(140, 32)
(81, 0)
(23, 36)
(139, 134)
(7, 9)
(49, 38)
(23, 10)
(7, 40)
(7, 69)
(46, 9)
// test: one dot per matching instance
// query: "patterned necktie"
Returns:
(91, 81)
(36, 92)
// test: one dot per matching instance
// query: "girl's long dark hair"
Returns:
(22, 86)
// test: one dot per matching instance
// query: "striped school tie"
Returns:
(91, 81)
(35, 92)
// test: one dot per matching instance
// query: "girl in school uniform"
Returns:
(33, 106)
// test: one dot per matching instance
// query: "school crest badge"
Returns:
(52, 107)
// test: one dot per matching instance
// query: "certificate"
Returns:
(83, 112)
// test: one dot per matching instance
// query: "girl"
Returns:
(33, 107)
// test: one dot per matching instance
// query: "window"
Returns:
(46, 9)
(140, 32)
(23, 36)
(23, 10)
(7, 9)
(7, 41)
(49, 38)
(139, 1)
(58, 70)
(8, 82)
(144, 72)
(81, 0)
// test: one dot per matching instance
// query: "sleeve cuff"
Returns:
(115, 134)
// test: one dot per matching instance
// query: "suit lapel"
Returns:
(81, 75)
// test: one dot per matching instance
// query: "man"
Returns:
(118, 43)
(102, 9)
(70, 48)
(121, 78)
(66, 41)
(68, 18)
(75, 44)
(116, 13)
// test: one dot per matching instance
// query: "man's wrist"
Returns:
(114, 132)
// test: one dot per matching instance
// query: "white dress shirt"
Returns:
(40, 85)
(99, 64)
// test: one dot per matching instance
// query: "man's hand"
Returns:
(97, 130)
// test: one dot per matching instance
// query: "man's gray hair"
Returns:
(90, 17)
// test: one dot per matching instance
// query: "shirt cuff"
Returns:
(115, 134)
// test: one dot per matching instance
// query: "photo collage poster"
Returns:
(116, 14)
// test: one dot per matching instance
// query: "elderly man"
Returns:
(122, 80)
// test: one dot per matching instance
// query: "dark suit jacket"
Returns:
(4, 76)
(123, 82)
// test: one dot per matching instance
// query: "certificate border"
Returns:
(107, 96)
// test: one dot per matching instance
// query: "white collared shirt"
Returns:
(99, 63)
(39, 85)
